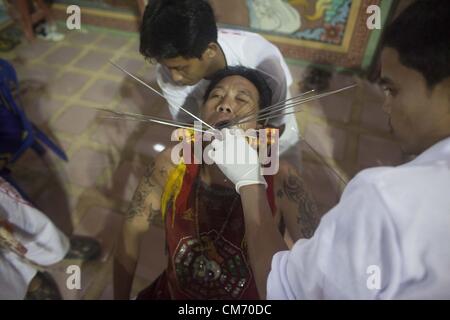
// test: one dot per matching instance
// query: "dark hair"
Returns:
(252, 75)
(172, 28)
(421, 35)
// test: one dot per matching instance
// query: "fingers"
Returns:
(8, 239)
(212, 152)
(229, 141)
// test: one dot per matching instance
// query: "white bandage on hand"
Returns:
(237, 160)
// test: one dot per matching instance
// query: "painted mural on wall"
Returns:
(320, 31)
(330, 32)
(322, 20)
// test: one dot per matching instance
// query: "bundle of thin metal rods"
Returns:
(277, 110)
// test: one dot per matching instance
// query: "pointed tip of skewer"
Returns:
(113, 64)
(101, 108)
(110, 117)
(120, 68)
(105, 109)
(157, 92)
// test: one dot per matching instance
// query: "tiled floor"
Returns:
(63, 82)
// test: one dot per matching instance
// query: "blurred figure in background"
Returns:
(36, 20)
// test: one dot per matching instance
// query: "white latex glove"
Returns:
(237, 160)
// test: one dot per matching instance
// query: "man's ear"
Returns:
(211, 51)
(447, 90)
(442, 90)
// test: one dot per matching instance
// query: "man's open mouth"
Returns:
(222, 124)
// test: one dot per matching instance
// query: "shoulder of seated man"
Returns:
(163, 165)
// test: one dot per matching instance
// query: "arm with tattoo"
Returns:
(298, 210)
(145, 207)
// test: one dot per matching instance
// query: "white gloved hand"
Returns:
(237, 160)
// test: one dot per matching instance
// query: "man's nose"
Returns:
(224, 108)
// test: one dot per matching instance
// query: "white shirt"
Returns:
(45, 244)
(394, 218)
(240, 48)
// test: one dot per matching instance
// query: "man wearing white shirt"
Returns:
(182, 37)
(27, 237)
(388, 237)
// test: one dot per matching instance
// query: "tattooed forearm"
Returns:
(138, 203)
(293, 187)
(307, 217)
(154, 217)
(280, 193)
(163, 172)
(147, 178)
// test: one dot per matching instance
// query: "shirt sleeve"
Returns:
(352, 255)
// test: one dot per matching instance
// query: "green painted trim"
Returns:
(90, 27)
(375, 36)
(96, 5)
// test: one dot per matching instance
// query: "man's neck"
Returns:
(211, 175)
(433, 140)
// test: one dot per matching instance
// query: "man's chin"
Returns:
(405, 146)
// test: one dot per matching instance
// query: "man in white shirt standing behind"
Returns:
(389, 236)
(182, 37)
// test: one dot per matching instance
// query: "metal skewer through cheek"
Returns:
(118, 115)
(290, 105)
(258, 116)
(126, 115)
(280, 103)
(144, 118)
(295, 105)
(158, 93)
(158, 122)
(271, 107)
(267, 118)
